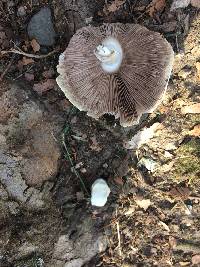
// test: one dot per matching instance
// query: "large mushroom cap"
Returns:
(121, 69)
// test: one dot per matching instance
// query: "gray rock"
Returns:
(24, 251)
(29, 150)
(41, 27)
(76, 254)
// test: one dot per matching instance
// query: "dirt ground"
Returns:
(51, 153)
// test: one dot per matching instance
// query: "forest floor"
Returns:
(51, 153)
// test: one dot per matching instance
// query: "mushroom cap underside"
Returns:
(136, 88)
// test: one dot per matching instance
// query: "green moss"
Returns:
(188, 161)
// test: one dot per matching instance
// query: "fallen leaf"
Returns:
(172, 242)
(196, 259)
(165, 226)
(156, 6)
(118, 180)
(198, 68)
(180, 192)
(45, 86)
(130, 211)
(35, 45)
(27, 61)
(148, 163)
(144, 203)
(195, 3)
(193, 108)
(143, 136)
(114, 6)
(184, 263)
(195, 131)
(167, 167)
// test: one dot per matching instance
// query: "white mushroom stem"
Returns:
(104, 54)
(110, 54)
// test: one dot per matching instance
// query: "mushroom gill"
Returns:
(120, 69)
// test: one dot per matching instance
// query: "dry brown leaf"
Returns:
(27, 61)
(35, 45)
(114, 6)
(184, 263)
(156, 6)
(195, 3)
(143, 203)
(195, 131)
(43, 87)
(118, 180)
(130, 210)
(198, 67)
(192, 108)
(172, 242)
(196, 259)
(180, 192)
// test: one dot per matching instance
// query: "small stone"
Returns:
(79, 165)
(105, 165)
(21, 12)
(41, 27)
(83, 170)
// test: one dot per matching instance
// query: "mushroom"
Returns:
(119, 69)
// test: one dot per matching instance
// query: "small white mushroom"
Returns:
(120, 69)
(100, 193)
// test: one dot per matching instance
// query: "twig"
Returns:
(119, 239)
(72, 165)
(118, 235)
(7, 68)
(20, 52)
